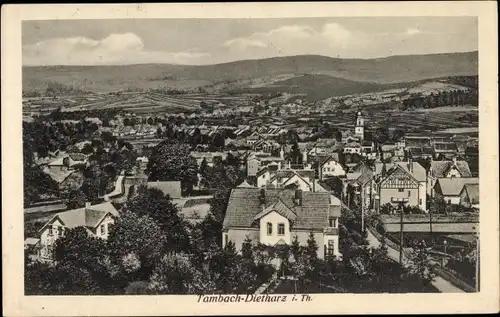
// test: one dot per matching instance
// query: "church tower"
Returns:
(359, 130)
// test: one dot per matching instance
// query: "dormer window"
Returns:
(269, 228)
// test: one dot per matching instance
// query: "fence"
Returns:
(450, 277)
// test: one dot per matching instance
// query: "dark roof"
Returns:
(445, 146)
(325, 158)
(244, 204)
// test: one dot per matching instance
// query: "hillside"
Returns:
(395, 69)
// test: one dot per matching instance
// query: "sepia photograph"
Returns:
(251, 160)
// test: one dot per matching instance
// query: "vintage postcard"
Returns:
(250, 158)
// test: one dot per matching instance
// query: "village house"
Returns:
(276, 216)
(423, 152)
(445, 149)
(446, 169)
(469, 196)
(330, 166)
(96, 219)
(416, 141)
(450, 189)
(360, 180)
(256, 161)
(352, 147)
(400, 180)
(68, 162)
(209, 157)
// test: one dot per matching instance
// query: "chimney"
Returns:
(298, 197)
(88, 204)
(262, 196)
(410, 165)
(454, 160)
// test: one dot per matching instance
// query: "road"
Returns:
(438, 282)
(118, 188)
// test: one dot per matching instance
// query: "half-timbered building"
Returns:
(401, 180)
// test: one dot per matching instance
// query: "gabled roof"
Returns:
(245, 184)
(417, 171)
(84, 217)
(323, 159)
(278, 207)
(400, 167)
(453, 186)
(441, 168)
(473, 192)
(244, 204)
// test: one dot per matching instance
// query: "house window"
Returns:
(50, 231)
(330, 248)
(225, 239)
(409, 193)
(269, 228)
(401, 190)
(332, 222)
(281, 229)
(420, 201)
(103, 229)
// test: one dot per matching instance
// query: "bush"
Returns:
(386, 209)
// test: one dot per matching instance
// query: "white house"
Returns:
(330, 166)
(276, 216)
(96, 219)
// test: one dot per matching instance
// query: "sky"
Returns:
(211, 41)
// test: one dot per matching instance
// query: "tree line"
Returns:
(454, 98)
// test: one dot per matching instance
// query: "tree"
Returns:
(419, 263)
(203, 167)
(76, 199)
(37, 184)
(174, 274)
(155, 204)
(136, 244)
(81, 263)
(171, 161)
(246, 249)
(218, 204)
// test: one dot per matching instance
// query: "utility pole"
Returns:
(477, 262)
(400, 202)
(362, 209)
(430, 224)
(401, 234)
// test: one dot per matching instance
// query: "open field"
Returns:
(150, 102)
